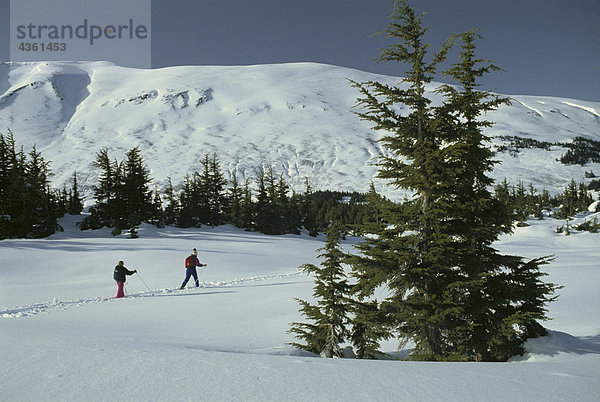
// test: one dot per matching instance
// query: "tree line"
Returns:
(580, 150)
(528, 202)
(124, 197)
(29, 207)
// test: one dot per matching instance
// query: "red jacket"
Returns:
(192, 262)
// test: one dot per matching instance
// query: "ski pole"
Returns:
(143, 282)
(201, 272)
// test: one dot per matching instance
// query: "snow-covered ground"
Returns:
(64, 337)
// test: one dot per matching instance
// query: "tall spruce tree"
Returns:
(235, 196)
(403, 255)
(136, 189)
(502, 297)
(217, 199)
(451, 292)
(74, 200)
(247, 208)
(171, 212)
(309, 219)
(39, 212)
(329, 317)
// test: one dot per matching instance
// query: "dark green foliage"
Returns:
(135, 190)
(450, 291)
(207, 198)
(530, 203)
(158, 212)
(214, 187)
(28, 206)
(308, 210)
(247, 207)
(123, 196)
(172, 209)
(74, 199)
(581, 151)
(369, 327)
(265, 214)
(329, 317)
(515, 144)
(235, 195)
(574, 199)
(591, 225)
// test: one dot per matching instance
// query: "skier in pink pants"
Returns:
(120, 276)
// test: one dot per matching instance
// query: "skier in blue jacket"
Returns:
(190, 268)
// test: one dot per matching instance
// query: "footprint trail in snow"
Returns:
(40, 308)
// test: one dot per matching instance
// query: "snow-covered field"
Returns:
(64, 337)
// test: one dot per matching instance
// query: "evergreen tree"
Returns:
(372, 221)
(28, 206)
(123, 196)
(520, 202)
(189, 202)
(39, 213)
(493, 291)
(570, 201)
(171, 212)
(329, 316)
(263, 206)
(309, 219)
(158, 213)
(369, 327)
(136, 189)
(104, 193)
(74, 199)
(403, 256)
(451, 292)
(247, 208)
(235, 195)
(502, 194)
(215, 184)
(118, 209)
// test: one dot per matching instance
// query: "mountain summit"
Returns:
(295, 117)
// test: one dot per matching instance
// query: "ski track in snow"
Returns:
(40, 308)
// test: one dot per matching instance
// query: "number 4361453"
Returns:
(43, 47)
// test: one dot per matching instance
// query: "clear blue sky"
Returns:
(546, 47)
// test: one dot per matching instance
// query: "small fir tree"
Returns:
(329, 317)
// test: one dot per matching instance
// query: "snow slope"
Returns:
(296, 117)
(64, 337)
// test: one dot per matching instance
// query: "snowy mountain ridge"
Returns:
(295, 117)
